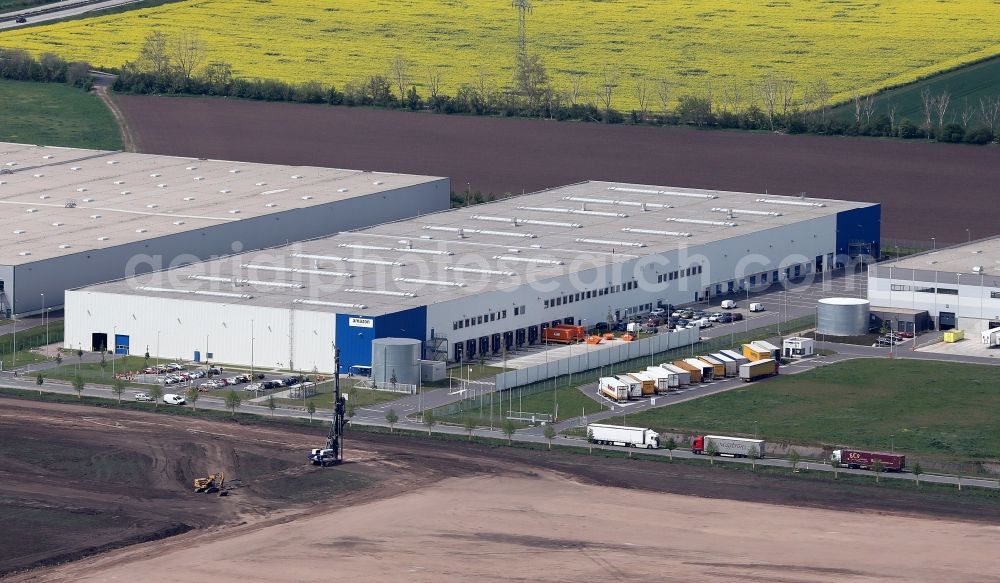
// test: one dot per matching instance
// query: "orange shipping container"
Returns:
(694, 371)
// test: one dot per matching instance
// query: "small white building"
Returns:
(798, 347)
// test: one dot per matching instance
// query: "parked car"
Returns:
(253, 387)
(728, 304)
(658, 312)
(756, 307)
(737, 316)
(714, 317)
(172, 399)
(725, 318)
(150, 370)
(21, 20)
(601, 327)
(197, 374)
(208, 385)
(173, 366)
(144, 397)
(905, 334)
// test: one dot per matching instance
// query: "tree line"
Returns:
(20, 65)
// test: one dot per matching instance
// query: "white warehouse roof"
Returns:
(59, 201)
(976, 257)
(461, 252)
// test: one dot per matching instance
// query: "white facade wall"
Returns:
(174, 329)
(7, 277)
(722, 261)
(974, 305)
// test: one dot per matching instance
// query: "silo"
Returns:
(842, 316)
(399, 356)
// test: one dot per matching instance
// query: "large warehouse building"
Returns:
(474, 280)
(957, 287)
(73, 217)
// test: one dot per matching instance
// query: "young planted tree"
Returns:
(104, 363)
(391, 417)
(39, 379)
(712, 450)
(233, 401)
(470, 425)
(917, 470)
(271, 404)
(670, 445)
(429, 420)
(192, 396)
(350, 411)
(118, 388)
(508, 429)
(311, 409)
(835, 464)
(794, 457)
(878, 467)
(590, 439)
(753, 453)
(550, 434)
(78, 386)
(156, 393)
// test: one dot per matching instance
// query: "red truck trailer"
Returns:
(854, 458)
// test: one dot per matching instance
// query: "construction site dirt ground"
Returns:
(82, 487)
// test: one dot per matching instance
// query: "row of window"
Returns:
(674, 275)
(586, 295)
(486, 318)
(927, 290)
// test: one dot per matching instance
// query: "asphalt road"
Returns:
(57, 10)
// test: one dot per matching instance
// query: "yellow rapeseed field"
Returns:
(853, 45)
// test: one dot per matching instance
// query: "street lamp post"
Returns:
(114, 342)
(933, 244)
(46, 324)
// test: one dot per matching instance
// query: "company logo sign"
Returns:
(362, 322)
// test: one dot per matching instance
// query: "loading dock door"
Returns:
(532, 334)
(521, 335)
(946, 320)
(121, 344)
(470, 349)
(98, 342)
(458, 351)
(495, 343)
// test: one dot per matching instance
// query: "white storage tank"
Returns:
(843, 316)
(396, 356)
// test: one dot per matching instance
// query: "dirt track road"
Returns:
(928, 190)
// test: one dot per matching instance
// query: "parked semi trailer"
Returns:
(854, 458)
(614, 389)
(666, 380)
(647, 383)
(623, 435)
(758, 369)
(634, 386)
(683, 375)
(732, 367)
(707, 370)
(718, 367)
(728, 446)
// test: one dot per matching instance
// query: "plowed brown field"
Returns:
(927, 190)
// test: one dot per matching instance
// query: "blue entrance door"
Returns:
(121, 344)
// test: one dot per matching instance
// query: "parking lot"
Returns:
(177, 378)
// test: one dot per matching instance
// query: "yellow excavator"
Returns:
(211, 484)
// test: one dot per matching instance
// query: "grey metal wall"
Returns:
(842, 319)
(396, 356)
(53, 276)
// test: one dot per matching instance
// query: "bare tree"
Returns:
(821, 92)
(856, 98)
(483, 87)
(187, 54)
(608, 85)
(769, 93)
(941, 103)
(787, 91)
(927, 100)
(399, 72)
(891, 109)
(968, 113)
(642, 97)
(868, 108)
(153, 56)
(665, 92)
(434, 83)
(732, 97)
(989, 109)
(574, 88)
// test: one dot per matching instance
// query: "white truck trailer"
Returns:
(623, 435)
(728, 446)
(613, 389)
(732, 367)
(683, 376)
(634, 386)
(665, 379)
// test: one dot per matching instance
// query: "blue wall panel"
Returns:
(355, 342)
(862, 224)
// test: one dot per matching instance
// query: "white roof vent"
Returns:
(112, 162)
(95, 216)
(141, 230)
(191, 168)
(189, 198)
(19, 232)
(126, 192)
(976, 252)
(44, 196)
(234, 212)
(24, 253)
(341, 190)
(38, 175)
(161, 185)
(296, 176)
(307, 197)
(65, 246)
(977, 269)
(48, 157)
(155, 175)
(152, 206)
(199, 177)
(178, 223)
(260, 183)
(102, 238)
(11, 164)
(234, 171)
(57, 224)
(377, 183)
(225, 191)
(270, 205)
(119, 182)
(31, 211)
(74, 168)
(81, 189)
(88, 200)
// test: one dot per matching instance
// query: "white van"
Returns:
(756, 307)
(728, 304)
(172, 399)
